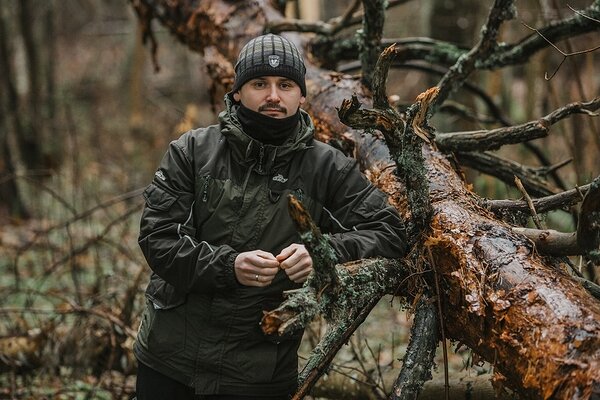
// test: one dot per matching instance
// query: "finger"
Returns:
(294, 269)
(246, 268)
(260, 280)
(266, 255)
(299, 269)
(293, 255)
(270, 272)
(265, 261)
(300, 258)
(300, 276)
(287, 252)
(258, 258)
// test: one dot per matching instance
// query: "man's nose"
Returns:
(273, 94)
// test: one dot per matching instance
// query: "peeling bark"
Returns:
(536, 324)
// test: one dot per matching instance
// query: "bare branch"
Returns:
(324, 353)
(588, 229)
(564, 54)
(350, 17)
(496, 138)
(506, 170)
(501, 11)
(551, 242)
(345, 19)
(584, 240)
(583, 15)
(370, 37)
(299, 25)
(418, 359)
(445, 53)
(534, 215)
(544, 204)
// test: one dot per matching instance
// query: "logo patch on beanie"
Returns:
(274, 61)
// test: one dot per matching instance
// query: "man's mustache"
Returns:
(272, 106)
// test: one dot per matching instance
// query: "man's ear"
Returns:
(302, 100)
(236, 96)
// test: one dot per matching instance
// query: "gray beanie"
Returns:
(269, 55)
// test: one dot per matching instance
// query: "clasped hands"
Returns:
(258, 267)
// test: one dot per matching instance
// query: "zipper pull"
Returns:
(261, 156)
(205, 189)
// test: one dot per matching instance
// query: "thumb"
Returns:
(285, 253)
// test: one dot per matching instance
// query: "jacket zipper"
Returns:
(261, 156)
(205, 189)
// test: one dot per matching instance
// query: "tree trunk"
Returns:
(11, 203)
(534, 322)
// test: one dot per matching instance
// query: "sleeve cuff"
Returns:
(230, 280)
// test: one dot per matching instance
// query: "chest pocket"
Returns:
(279, 190)
(208, 196)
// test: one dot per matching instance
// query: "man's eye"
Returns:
(259, 84)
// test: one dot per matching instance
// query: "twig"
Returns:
(494, 110)
(583, 15)
(370, 380)
(543, 204)
(564, 54)
(376, 361)
(501, 11)
(345, 18)
(330, 28)
(438, 294)
(331, 348)
(92, 241)
(495, 138)
(74, 309)
(101, 206)
(324, 275)
(534, 215)
(505, 170)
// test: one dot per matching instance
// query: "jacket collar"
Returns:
(263, 158)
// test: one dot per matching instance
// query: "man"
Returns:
(222, 247)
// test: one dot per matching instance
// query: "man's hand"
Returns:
(296, 262)
(255, 268)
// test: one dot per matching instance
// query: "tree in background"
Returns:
(30, 144)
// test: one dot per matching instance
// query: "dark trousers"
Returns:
(152, 385)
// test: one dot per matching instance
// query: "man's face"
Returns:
(275, 96)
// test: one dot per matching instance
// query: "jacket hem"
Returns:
(258, 390)
(151, 362)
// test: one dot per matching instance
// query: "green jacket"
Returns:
(216, 193)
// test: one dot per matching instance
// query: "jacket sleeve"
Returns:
(167, 235)
(361, 222)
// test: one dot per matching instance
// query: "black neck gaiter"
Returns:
(265, 129)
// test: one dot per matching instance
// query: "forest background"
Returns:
(85, 116)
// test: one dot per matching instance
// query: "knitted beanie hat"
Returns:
(269, 55)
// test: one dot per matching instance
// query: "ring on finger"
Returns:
(256, 277)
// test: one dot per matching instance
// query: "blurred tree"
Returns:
(28, 95)
(11, 203)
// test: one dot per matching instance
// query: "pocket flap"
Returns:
(157, 198)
